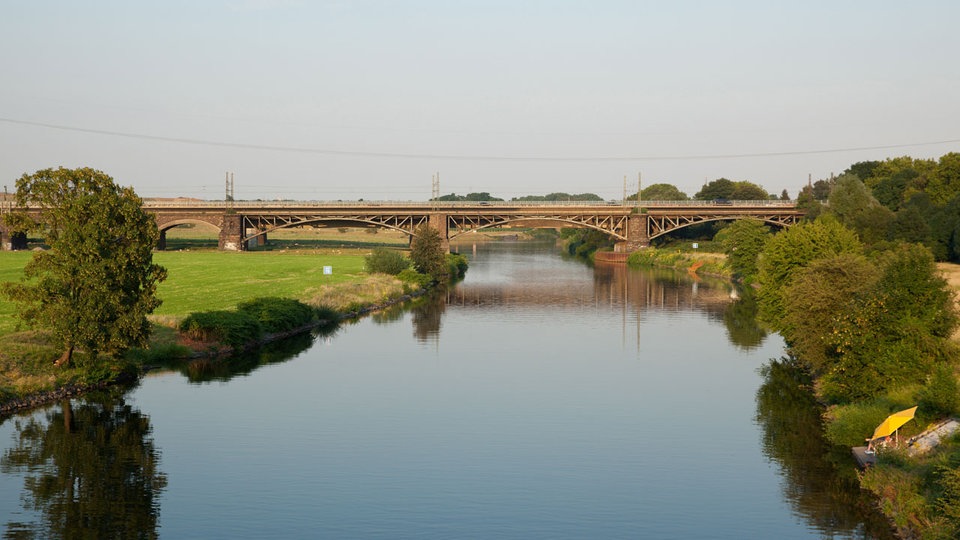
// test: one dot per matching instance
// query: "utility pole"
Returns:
(228, 196)
(624, 190)
(639, 189)
(435, 191)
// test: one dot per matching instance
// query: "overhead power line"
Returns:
(462, 157)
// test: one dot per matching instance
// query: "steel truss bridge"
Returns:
(632, 225)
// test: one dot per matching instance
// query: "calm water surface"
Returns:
(540, 398)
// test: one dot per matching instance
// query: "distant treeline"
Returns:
(898, 199)
(485, 196)
(721, 188)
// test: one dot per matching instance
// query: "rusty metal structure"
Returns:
(245, 223)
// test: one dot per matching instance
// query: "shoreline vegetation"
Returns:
(216, 305)
(917, 491)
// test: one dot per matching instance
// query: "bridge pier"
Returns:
(12, 240)
(440, 223)
(637, 236)
(231, 233)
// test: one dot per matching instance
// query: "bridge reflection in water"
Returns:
(615, 287)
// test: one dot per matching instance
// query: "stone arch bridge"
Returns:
(246, 223)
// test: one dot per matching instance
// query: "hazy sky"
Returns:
(371, 98)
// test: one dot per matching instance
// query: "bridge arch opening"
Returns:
(669, 232)
(323, 233)
(188, 234)
(536, 223)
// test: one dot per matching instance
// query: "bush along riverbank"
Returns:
(713, 264)
(29, 379)
(872, 326)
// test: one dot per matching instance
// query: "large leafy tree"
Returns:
(721, 188)
(743, 241)
(97, 283)
(793, 249)
(426, 252)
(748, 191)
(661, 192)
(896, 332)
(815, 297)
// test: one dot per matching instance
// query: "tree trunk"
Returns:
(67, 416)
(64, 360)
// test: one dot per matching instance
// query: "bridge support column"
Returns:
(439, 222)
(231, 233)
(637, 236)
(12, 240)
(162, 241)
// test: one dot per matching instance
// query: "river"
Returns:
(539, 398)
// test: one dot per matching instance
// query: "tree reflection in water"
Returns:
(224, 368)
(740, 319)
(819, 479)
(426, 316)
(91, 471)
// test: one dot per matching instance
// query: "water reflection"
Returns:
(426, 316)
(205, 370)
(91, 471)
(740, 319)
(612, 285)
(820, 484)
(621, 287)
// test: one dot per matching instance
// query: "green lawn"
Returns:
(11, 269)
(208, 280)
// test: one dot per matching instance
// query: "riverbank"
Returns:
(919, 493)
(697, 262)
(199, 281)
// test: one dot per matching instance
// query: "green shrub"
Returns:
(326, 313)
(941, 395)
(949, 501)
(457, 264)
(156, 353)
(231, 328)
(412, 276)
(386, 261)
(900, 495)
(851, 424)
(278, 314)
(643, 258)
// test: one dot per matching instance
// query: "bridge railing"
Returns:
(152, 203)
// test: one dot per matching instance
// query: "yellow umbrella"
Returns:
(893, 423)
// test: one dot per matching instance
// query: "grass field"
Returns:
(199, 237)
(11, 269)
(209, 280)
